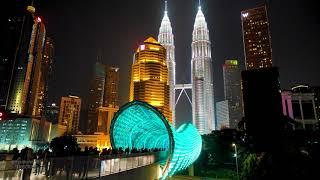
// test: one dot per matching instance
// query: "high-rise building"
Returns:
(262, 106)
(111, 87)
(105, 115)
(149, 77)
(166, 39)
(299, 104)
(232, 91)
(26, 77)
(16, 28)
(222, 110)
(201, 77)
(46, 73)
(256, 38)
(52, 113)
(96, 95)
(69, 113)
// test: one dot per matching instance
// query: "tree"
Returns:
(64, 145)
(249, 167)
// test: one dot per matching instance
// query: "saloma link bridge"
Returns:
(140, 125)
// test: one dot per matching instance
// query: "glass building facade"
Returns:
(202, 77)
(232, 91)
(256, 38)
(27, 72)
(96, 95)
(20, 132)
(149, 77)
(223, 114)
(111, 87)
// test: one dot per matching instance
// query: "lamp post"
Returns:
(236, 156)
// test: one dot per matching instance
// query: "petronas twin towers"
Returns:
(201, 71)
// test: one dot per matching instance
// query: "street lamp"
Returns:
(236, 156)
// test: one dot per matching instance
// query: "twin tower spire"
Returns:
(201, 70)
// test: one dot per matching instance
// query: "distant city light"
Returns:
(142, 47)
(39, 19)
(53, 104)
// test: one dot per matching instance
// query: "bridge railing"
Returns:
(78, 167)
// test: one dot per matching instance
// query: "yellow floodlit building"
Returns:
(149, 77)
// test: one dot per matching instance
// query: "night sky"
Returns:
(80, 29)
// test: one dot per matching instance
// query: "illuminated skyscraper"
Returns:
(69, 113)
(111, 87)
(149, 77)
(201, 76)
(16, 27)
(96, 95)
(25, 82)
(232, 91)
(256, 38)
(46, 72)
(166, 39)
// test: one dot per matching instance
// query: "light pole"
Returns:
(236, 156)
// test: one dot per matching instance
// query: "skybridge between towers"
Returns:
(182, 88)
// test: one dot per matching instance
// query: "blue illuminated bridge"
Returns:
(140, 125)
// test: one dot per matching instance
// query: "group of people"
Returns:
(48, 163)
(115, 151)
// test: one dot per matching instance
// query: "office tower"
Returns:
(96, 95)
(69, 113)
(223, 119)
(46, 73)
(201, 77)
(232, 91)
(52, 113)
(149, 77)
(256, 38)
(262, 106)
(111, 100)
(166, 39)
(26, 77)
(111, 87)
(16, 28)
(299, 104)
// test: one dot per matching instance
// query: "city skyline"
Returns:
(225, 28)
(160, 89)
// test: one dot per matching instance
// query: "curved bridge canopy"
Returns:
(140, 125)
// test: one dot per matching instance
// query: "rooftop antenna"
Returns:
(199, 7)
(165, 7)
